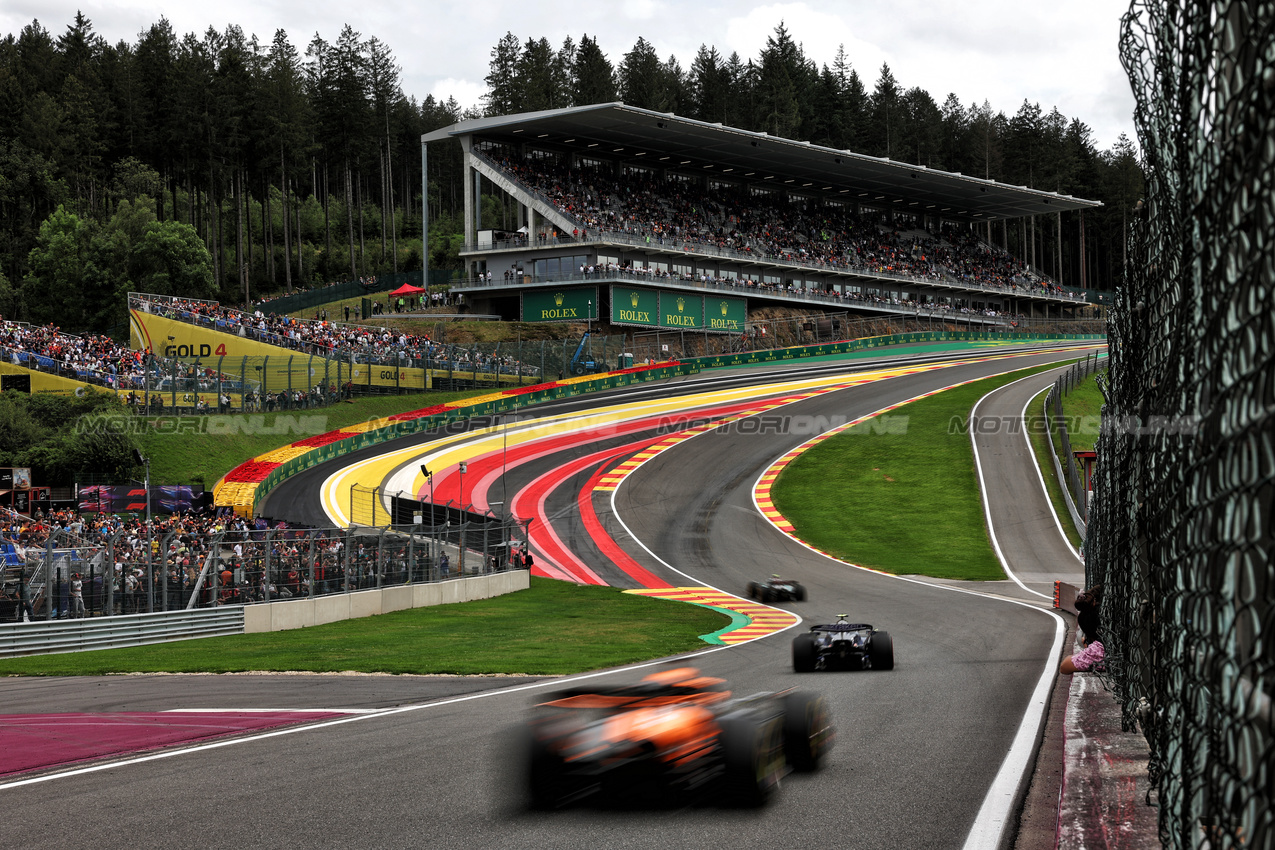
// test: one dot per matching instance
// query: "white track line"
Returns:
(307, 727)
(982, 489)
(1040, 476)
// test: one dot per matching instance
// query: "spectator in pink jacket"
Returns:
(1093, 653)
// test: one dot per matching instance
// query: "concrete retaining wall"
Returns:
(300, 613)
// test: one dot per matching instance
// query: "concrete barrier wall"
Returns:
(301, 613)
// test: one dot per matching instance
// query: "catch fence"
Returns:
(1181, 531)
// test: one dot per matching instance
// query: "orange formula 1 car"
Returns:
(674, 733)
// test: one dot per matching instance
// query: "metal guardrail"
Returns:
(52, 636)
(1057, 422)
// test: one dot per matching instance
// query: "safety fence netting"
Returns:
(1180, 533)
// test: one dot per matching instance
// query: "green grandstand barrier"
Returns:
(846, 346)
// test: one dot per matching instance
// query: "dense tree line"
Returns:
(58, 436)
(218, 165)
(288, 166)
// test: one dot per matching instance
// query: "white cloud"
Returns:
(468, 94)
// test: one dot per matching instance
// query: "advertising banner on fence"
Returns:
(633, 306)
(130, 498)
(560, 305)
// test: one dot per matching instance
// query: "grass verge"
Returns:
(904, 500)
(1082, 410)
(554, 628)
(1037, 430)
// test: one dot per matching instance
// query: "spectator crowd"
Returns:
(90, 358)
(323, 337)
(198, 559)
(737, 222)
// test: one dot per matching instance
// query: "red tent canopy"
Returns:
(407, 289)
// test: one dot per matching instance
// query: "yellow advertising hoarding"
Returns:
(270, 367)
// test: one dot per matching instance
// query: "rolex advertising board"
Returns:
(631, 306)
(681, 311)
(560, 305)
(725, 314)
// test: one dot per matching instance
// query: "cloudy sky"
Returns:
(1057, 53)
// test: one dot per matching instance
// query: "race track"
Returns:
(918, 747)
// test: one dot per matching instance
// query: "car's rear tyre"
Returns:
(799, 592)
(752, 760)
(767, 595)
(753, 590)
(881, 651)
(547, 780)
(804, 653)
(808, 731)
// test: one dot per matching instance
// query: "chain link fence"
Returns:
(1181, 528)
(1057, 423)
(177, 571)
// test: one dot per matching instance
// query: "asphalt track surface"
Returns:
(918, 747)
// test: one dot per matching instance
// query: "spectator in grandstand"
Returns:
(361, 344)
(737, 222)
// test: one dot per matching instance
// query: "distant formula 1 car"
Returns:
(776, 589)
(673, 734)
(842, 646)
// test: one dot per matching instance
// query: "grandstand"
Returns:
(36, 358)
(651, 220)
(304, 361)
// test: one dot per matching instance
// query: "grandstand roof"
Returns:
(614, 130)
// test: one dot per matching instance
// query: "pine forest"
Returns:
(217, 165)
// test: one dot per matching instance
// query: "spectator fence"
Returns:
(169, 572)
(320, 295)
(1181, 533)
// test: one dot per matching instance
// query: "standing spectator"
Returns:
(444, 566)
(77, 597)
(24, 598)
(132, 593)
(347, 313)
